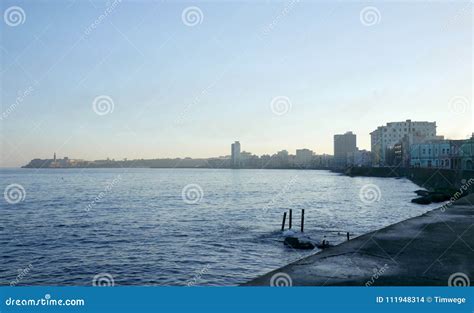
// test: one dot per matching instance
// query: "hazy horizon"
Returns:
(174, 85)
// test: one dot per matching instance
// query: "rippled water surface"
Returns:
(140, 227)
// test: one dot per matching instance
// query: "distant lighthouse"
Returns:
(54, 158)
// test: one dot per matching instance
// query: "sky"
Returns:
(148, 79)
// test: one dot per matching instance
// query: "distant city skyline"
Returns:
(116, 79)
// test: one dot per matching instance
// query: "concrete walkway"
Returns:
(422, 251)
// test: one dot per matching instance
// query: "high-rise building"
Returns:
(304, 157)
(235, 154)
(344, 145)
(387, 137)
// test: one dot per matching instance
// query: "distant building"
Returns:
(281, 159)
(360, 158)
(249, 160)
(344, 144)
(323, 160)
(466, 154)
(385, 138)
(235, 155)
(304, 157)
(447, 154)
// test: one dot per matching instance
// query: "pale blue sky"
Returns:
(338, 74)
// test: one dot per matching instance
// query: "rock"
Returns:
(427, 197)
(296, 243)
(421, 200)
(422, 193)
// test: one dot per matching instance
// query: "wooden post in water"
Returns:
(348, 236)
(291, 218)
(283, 222)
(302, 220)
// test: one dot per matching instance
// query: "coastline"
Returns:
(421, 251)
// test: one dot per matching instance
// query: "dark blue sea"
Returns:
(188, 227)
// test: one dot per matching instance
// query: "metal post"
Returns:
(283, 222)
(291, 218)
(302, 220)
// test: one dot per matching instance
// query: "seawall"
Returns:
(434, 249)
(429, 178)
